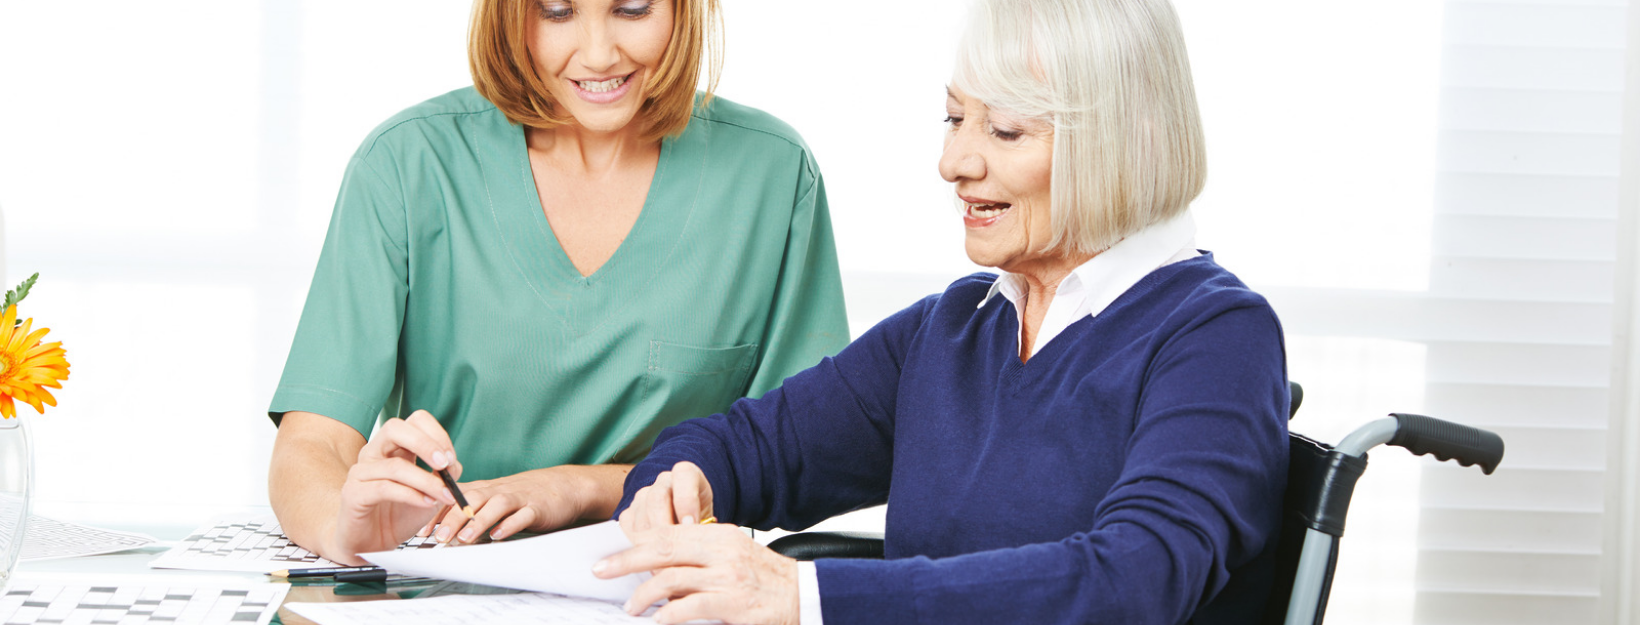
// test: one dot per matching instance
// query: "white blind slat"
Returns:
(1565, 532)
(1460, 193)
(1534, 238)
(1417, 317)
(1512, 279)
(1505, 67)
(1529, 153)
(1534, 25)
(1519, 364)
(1511, 488)
(1588, 112)
(1435, 606)
(1507, 406)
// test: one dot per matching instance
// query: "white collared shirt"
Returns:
(1086, 292)
(1093, 285)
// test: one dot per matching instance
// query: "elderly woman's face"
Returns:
(595, 55)
(1002, 165)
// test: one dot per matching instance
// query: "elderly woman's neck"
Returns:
(1042, 278)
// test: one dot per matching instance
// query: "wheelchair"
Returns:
(1320, 481)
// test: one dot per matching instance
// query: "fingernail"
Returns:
(495, 535)
(600, 567)
(422, 533)
(443, 534)
(627, 607)
(467, 535)
(427, 500)
(440, 460)
(687, 520)
(448, 497)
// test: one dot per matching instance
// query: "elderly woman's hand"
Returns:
(709, 572)
(681, 495)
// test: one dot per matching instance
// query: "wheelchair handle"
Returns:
(1448, 441)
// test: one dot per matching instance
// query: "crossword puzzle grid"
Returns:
(28, 603)
(264, 541)
(232, 545)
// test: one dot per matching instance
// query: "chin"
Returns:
(603, 121)
(982, 255)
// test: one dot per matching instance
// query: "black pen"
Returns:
(450, 483)
(325, 572)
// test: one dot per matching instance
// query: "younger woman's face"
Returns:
(597, 56)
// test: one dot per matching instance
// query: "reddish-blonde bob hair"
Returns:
(498, 54)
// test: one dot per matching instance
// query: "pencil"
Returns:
(450, 483)
(324, 572)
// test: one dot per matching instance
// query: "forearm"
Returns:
(597, 488)
(305, 484)
(1100, 577)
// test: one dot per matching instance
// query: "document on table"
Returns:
(48, 539)
(522, 609)
(101, 599)
(560, 563)
(249, 544)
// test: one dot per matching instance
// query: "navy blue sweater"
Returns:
(1131, 472)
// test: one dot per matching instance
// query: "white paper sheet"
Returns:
(49, 539)
(523, 609)
(104, 599)
(560, 563)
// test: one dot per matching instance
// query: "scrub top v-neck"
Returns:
(442, 287)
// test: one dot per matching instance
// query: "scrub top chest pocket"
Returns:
(694, 381)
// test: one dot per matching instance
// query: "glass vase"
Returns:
(16, 482)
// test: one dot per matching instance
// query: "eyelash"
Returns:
(1005, 135)
(563, 14)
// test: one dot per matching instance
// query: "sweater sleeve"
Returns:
(1198, 496)
(817, 446)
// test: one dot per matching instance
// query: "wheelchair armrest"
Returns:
(808, 546)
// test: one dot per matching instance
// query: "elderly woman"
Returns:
(1097, 435)
(542, 272)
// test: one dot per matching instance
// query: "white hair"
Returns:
(1113, 78)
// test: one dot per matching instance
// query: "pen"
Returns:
(450, 483)
(324, 572)
(374, 577)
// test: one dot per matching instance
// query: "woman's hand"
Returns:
(386, 496)
(709, 572)
(681, 495)
(541, 500)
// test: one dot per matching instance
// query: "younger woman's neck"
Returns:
(589, 152)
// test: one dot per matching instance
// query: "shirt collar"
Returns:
(1108, 275)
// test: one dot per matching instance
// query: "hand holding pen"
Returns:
(387, 496)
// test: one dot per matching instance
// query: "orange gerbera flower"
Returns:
(27, 368)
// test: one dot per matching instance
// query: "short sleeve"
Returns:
(343, 361)
(807, 320)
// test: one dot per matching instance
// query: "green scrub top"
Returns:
(441, 287)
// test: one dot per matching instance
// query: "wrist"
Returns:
(596, 489)
(330, 542)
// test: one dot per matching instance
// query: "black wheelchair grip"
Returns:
(1448, 441)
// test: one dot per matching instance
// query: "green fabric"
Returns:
(441, 287)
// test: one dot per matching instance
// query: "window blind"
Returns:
(1517, 319)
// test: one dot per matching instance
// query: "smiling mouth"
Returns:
(602, 86)
(986, 211)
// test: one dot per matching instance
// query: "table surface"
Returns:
(135, 563)
(173, 523)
